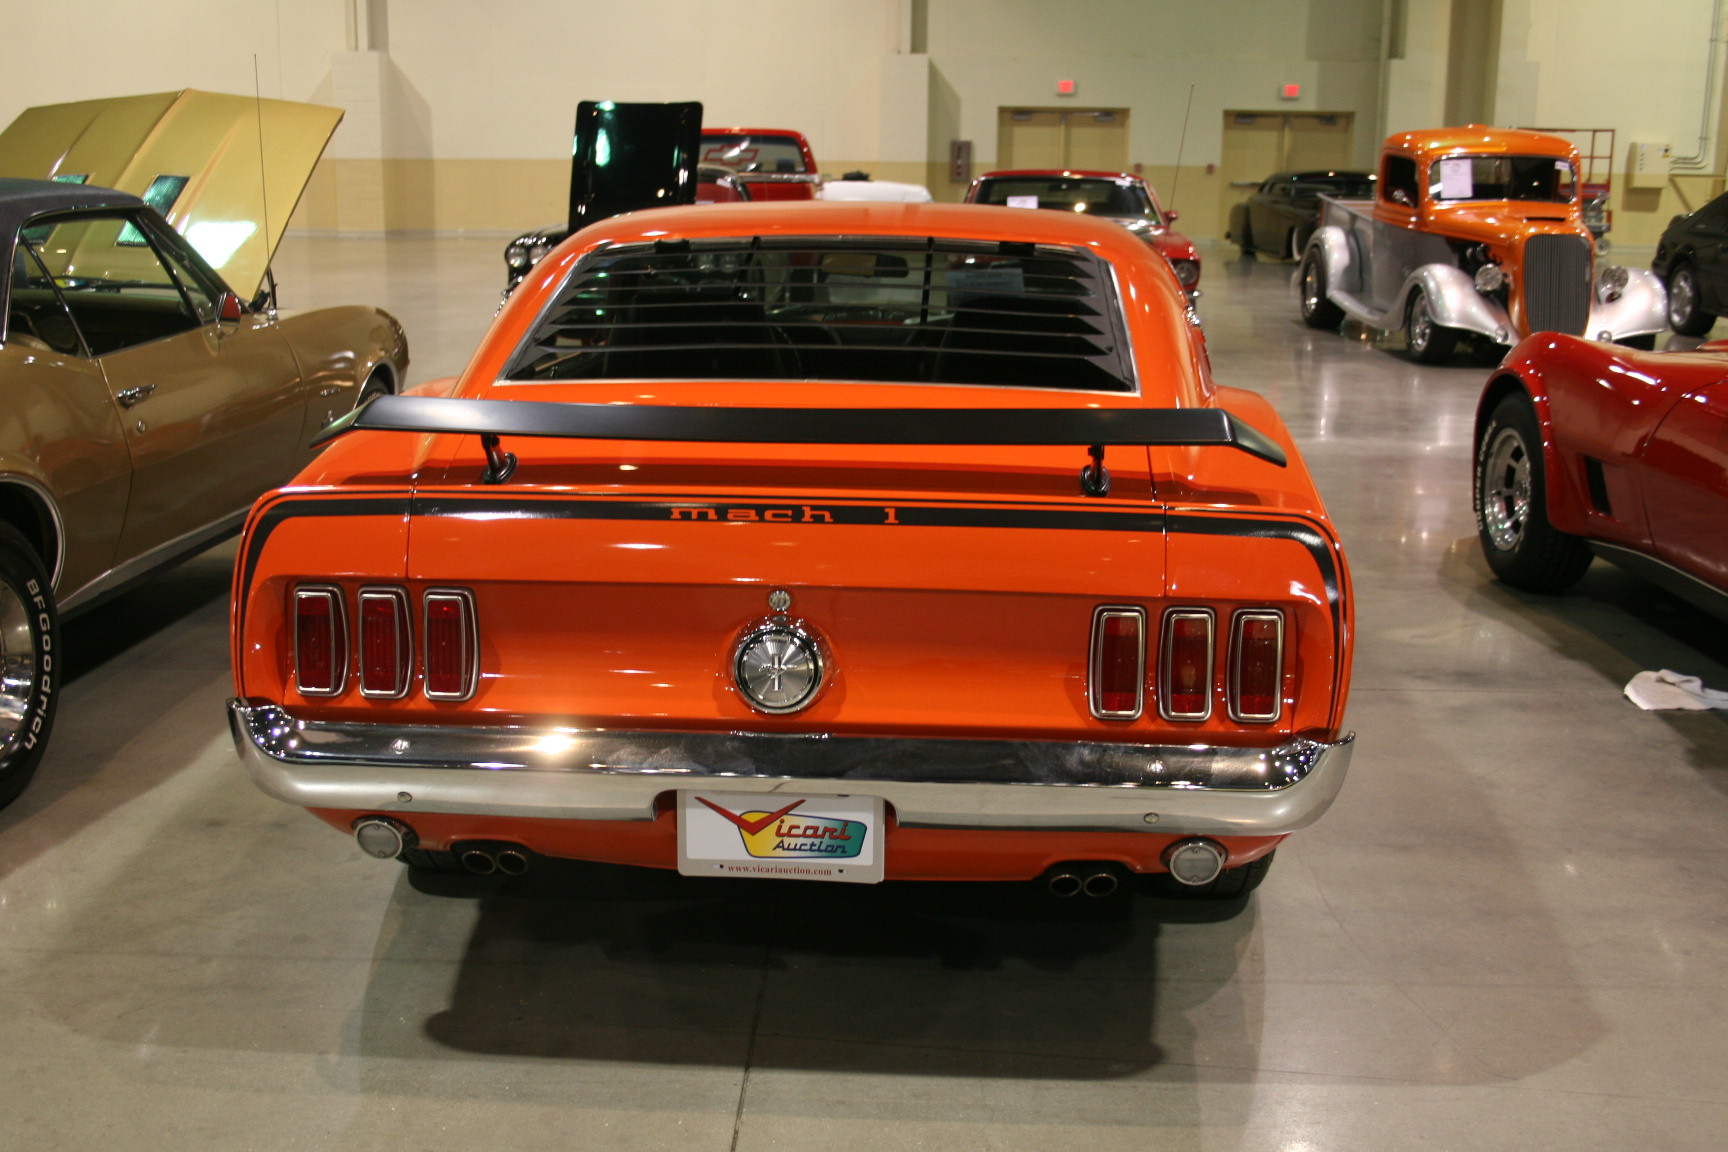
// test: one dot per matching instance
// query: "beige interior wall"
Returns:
(1637, 68)
(462, 123)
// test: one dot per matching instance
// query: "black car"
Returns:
(1692, 260)
(1283, 212)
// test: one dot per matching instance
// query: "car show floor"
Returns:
(1511, 932)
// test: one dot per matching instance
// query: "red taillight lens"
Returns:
(386, 651)
(1187, 679)
(320, 641)
(1257, 665)
(451, 663)
(1118, 670)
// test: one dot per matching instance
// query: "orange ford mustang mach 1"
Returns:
(840, 541)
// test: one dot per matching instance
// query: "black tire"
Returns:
(1317, 310)
(1686, 314)
(377, 384)
(1511, 498)
(1245, 239)
(29, 635)
(1428, 341)
(1227, 885)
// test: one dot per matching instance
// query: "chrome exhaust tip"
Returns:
(479, 861)
(383, 838)
(1195, 861)
(512, 861)
(1101, 883)
(1065, 884)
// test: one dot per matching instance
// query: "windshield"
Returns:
(753, 153)
(1358, 188)
(1541, 178)
(1070, 194)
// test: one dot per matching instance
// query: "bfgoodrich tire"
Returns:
(1511, 492)
(29, 662)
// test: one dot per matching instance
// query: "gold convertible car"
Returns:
(145, 398)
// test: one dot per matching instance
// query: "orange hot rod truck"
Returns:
(1473, 233)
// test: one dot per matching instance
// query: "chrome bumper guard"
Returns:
(586, 774)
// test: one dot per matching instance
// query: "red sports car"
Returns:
(1120, 197)
(1590, 449)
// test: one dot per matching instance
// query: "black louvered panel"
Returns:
(1557, 284)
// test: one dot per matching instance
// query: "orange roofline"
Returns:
(1481, 140)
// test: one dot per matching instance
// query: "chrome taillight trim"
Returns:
(1094, 669)
(338, 638)
(405, 642)
(1172, 615)
(471, 629)
(1233, 691)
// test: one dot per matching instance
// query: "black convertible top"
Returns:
(22, 199)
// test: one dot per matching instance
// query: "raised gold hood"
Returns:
(244, 163)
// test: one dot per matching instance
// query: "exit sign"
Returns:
(1290, 92)
(1064, 87)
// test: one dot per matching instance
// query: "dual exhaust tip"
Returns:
(386, 839)
(1194, 862)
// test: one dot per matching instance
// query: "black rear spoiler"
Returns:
(1087, 427)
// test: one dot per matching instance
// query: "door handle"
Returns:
(130, 396)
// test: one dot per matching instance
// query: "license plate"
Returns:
(774, 835)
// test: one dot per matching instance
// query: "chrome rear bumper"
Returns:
(583, 774)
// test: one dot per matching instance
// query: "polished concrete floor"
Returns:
(1511, 932)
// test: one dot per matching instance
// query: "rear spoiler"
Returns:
(1169, 427)
(1093, 428)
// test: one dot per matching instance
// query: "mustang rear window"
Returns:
(875, 309)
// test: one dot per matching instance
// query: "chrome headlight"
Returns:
(537, 251)
(1611, 283)
(1187, 272)
(516, 256)
(1490, 278)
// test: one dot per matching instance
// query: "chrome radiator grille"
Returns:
(1557, 284)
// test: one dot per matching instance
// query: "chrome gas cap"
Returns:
(778, 665)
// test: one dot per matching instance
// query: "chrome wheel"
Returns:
(1682, 297)
(1311, 293)
(1505, 491)
(1421, 325)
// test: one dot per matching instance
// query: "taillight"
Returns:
(1118, 668)
(1256, 665)
(452, 650)
(386, 646)
(1185, 688)
(320, 641)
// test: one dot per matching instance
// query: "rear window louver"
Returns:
(871, 309)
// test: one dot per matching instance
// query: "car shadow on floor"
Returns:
(590, 962)
(1618, 625)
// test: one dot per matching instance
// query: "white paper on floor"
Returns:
(1667, 690)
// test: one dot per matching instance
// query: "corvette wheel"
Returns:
(1317, 310)
(1685, 315)
(1520, 545)
(1428, 341)
(29, 680)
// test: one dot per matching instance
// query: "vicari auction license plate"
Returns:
(775, 835)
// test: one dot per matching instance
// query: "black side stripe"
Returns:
(912, 515)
